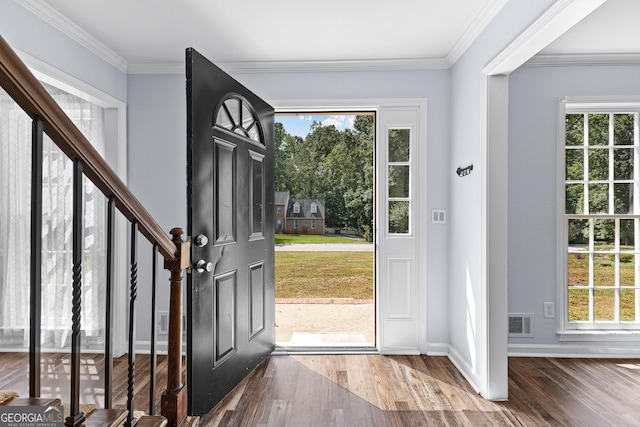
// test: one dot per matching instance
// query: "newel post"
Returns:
(174, 398)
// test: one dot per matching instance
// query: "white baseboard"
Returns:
(399, 352)
(433, 349)
(17, 349)
(574, 351)
(465, 369)
(437, 349)
(144, 347)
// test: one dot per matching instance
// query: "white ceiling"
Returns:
(613, 28)
(138, 35)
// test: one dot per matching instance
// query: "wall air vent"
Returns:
(163, 322)
(520, 325)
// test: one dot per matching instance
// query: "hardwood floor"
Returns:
(55, 379)
(373, 390)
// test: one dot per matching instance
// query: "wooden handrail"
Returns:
(30, 95)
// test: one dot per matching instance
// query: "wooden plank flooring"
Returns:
(55, 380)
(374, 390)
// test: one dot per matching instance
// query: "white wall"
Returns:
(466, 295)
(157, 155)
(54, 54)
(157, 134)
(157, 126)
(533, 127)
(30, 34)
(157, 146)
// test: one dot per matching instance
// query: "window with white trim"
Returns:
(296, 224)
(601, 218)
(296, 208)
(57, 206)
(313, 224)
(314, 208)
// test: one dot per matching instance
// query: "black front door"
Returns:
(230, 294)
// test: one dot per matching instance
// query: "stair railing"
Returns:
(30, 95)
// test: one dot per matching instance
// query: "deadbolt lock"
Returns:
(201, 240)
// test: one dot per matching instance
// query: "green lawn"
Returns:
(309, 238)
(604, 278)
(324, 275)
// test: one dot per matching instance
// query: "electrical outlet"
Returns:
(549, 310)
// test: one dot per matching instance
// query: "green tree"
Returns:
(599, 154)
(399, 217)
(349, 167)
(333, 165)
(285, 146)
(317, 178)
(359, 194)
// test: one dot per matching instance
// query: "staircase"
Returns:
(28, 93)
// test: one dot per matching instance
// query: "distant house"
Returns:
(298, 216)
(281, 201)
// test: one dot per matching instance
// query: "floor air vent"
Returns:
(520, 325)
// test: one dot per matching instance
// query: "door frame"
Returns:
(492, 380)
(379, 105)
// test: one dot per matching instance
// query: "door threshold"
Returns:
(288, 350)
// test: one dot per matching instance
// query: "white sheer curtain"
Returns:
(15, 199)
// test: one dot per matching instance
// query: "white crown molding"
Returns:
(482, 20)
(596, 59)
(57, 20)
(300, 66)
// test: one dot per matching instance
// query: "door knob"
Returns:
(201, 240)
(202, 266)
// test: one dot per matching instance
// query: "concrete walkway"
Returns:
(325, 324)
(326, 247)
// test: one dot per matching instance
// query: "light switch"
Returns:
(438, 216)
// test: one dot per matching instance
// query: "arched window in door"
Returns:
(235, 114)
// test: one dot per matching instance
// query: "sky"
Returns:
(299, 125)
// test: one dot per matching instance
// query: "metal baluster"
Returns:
(35, 311)
(131, 421)
(76, 417)
(153, 358)
(108, 339)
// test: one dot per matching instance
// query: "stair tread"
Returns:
(152, 421)
(105, 417)
(32, 401)
(190, 421)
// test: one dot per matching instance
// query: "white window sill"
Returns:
(598, 336)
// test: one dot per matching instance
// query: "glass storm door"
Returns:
(230, 295)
